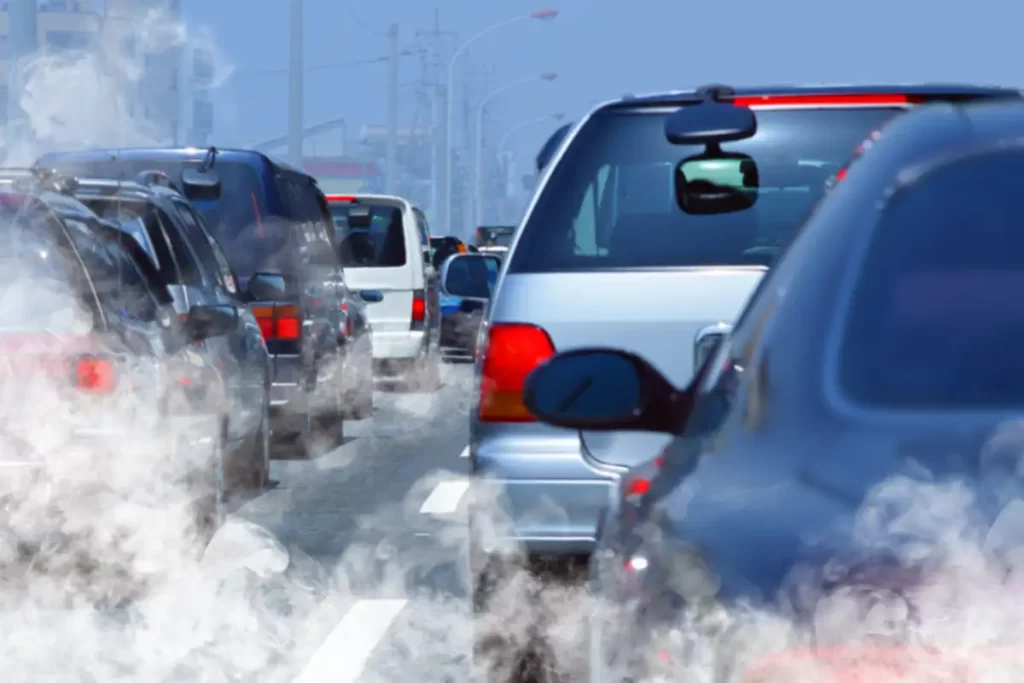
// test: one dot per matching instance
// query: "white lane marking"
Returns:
(464, 453)
(343, 655)
(445, 497)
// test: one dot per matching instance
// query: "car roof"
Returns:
(196, 154)
(925, 90)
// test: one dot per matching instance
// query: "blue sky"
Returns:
(601, 49)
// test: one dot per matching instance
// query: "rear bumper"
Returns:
(543, 515)
(290, 402)
(390, 345)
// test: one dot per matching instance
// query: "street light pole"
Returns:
(449, 97)
(296, 88)
(478, 181)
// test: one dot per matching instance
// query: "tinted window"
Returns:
(123, 290)
(610, 203)
(220, 260)
(238, 218)
(937, 310)
(381, 244)
(200, 244)
(155, 232)
(442, 248)
(45, 285)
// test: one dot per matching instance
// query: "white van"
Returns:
(384, 244)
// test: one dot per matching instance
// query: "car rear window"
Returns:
(381, 244)
(936, 312)
(46, 287)
(610, 201)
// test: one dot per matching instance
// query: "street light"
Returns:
(519, 126)
(543, 14)
(478, 176)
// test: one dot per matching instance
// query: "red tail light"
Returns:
(279, 323)
(419, 309)
(636, 488)
(835, 100)
(513, 351)
(94, 375)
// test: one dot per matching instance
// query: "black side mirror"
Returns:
(213, 320)
(466, 276)
(201, 184)
(371, 296)
(605, 390)
(269, 287)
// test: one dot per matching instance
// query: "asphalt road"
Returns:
(382, 519)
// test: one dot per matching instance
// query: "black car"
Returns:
(195, 271)
(99, 335)
(854, 435)
(274, 226)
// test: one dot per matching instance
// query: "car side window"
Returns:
(197, 238)
(180, 251)
(122, 291)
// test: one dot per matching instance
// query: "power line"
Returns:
(360, 23)
(328, 66)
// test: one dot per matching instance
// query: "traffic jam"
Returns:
(708, 412)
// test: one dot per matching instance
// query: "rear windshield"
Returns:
(380, 244)
(237, 219)
(495, 237)
(443, 247)
(936, 316)
(610, 202)
(45, 286)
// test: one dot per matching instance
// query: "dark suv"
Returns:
(274, 226)
(190, 263)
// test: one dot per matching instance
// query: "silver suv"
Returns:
(653, 223)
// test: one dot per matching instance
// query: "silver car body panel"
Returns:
(550, 484)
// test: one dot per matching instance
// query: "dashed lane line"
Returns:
(343, 655)
(445, 498)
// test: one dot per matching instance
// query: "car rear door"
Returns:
(374, 253)
(608, 257)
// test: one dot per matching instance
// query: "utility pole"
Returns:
(392, 151)
(438, 128)
(296, 91)
(23, 42)
(469, 128)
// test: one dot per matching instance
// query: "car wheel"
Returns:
(209, 488)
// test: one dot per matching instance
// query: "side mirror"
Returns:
(604, 390)
(200, 184)
(268, 287)
(466, 276)
(213, 320)
(371, 296)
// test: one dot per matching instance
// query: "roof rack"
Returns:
(716, 91)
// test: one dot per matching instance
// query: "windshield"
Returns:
(237, 219)
(610, 203)
(933, 319)
(369, 235)
(495, 237)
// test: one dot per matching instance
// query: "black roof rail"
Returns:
(716, 91)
